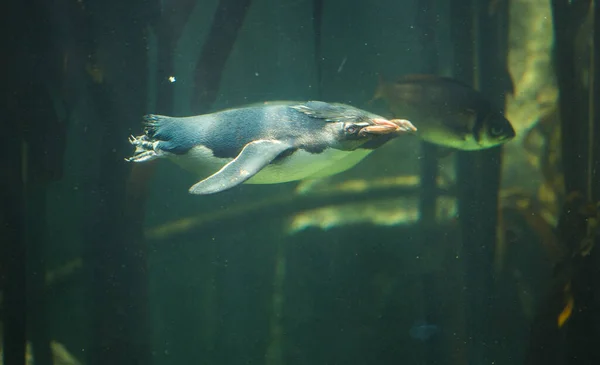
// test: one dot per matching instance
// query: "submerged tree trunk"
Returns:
(115, 254)
(32, 152)
(482, 59)
(227, 21)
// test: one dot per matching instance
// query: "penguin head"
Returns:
(348, 127)
(353, 133)
(350, 134)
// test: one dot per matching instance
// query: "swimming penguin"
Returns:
(267, 143)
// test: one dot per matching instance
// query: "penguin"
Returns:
(266, 143)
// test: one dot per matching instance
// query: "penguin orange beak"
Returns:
(384, 126)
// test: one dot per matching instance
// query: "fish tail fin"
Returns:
(379, 91)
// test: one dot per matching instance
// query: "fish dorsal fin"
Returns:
(329, 112)
(253, 158)
(431, 78)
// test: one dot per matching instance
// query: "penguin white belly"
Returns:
(200, 161)
(347, 161)
(300, 165)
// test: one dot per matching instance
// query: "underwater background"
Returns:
(417, 255)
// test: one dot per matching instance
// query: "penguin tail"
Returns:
(153, 123)
(150, 145)
(173, 134)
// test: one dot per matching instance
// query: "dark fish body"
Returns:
(446, 112)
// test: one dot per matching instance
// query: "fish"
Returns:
(446, 112)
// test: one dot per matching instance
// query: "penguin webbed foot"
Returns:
(145, 149)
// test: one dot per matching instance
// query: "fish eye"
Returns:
(496, 130)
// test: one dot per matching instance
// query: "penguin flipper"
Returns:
(253, 158)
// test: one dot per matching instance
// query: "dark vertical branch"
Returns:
(46, 142)
(584, 327)
(38, 329)
(426, 23)
(36, 145)
(479, 182)
(45, 148)
(461, 32)
(574, 342)
(13, 247)
(169, 26)
(83, 50)
(13, 232)
(227, 21)
(115, 253)
(317, 25)
(479, 172)
(594, 107)
(573, 111)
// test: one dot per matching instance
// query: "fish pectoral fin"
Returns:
(458, 128)
(463, 121)
(328, 112)
(253, 158)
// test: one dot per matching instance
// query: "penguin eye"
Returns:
(351, 129)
